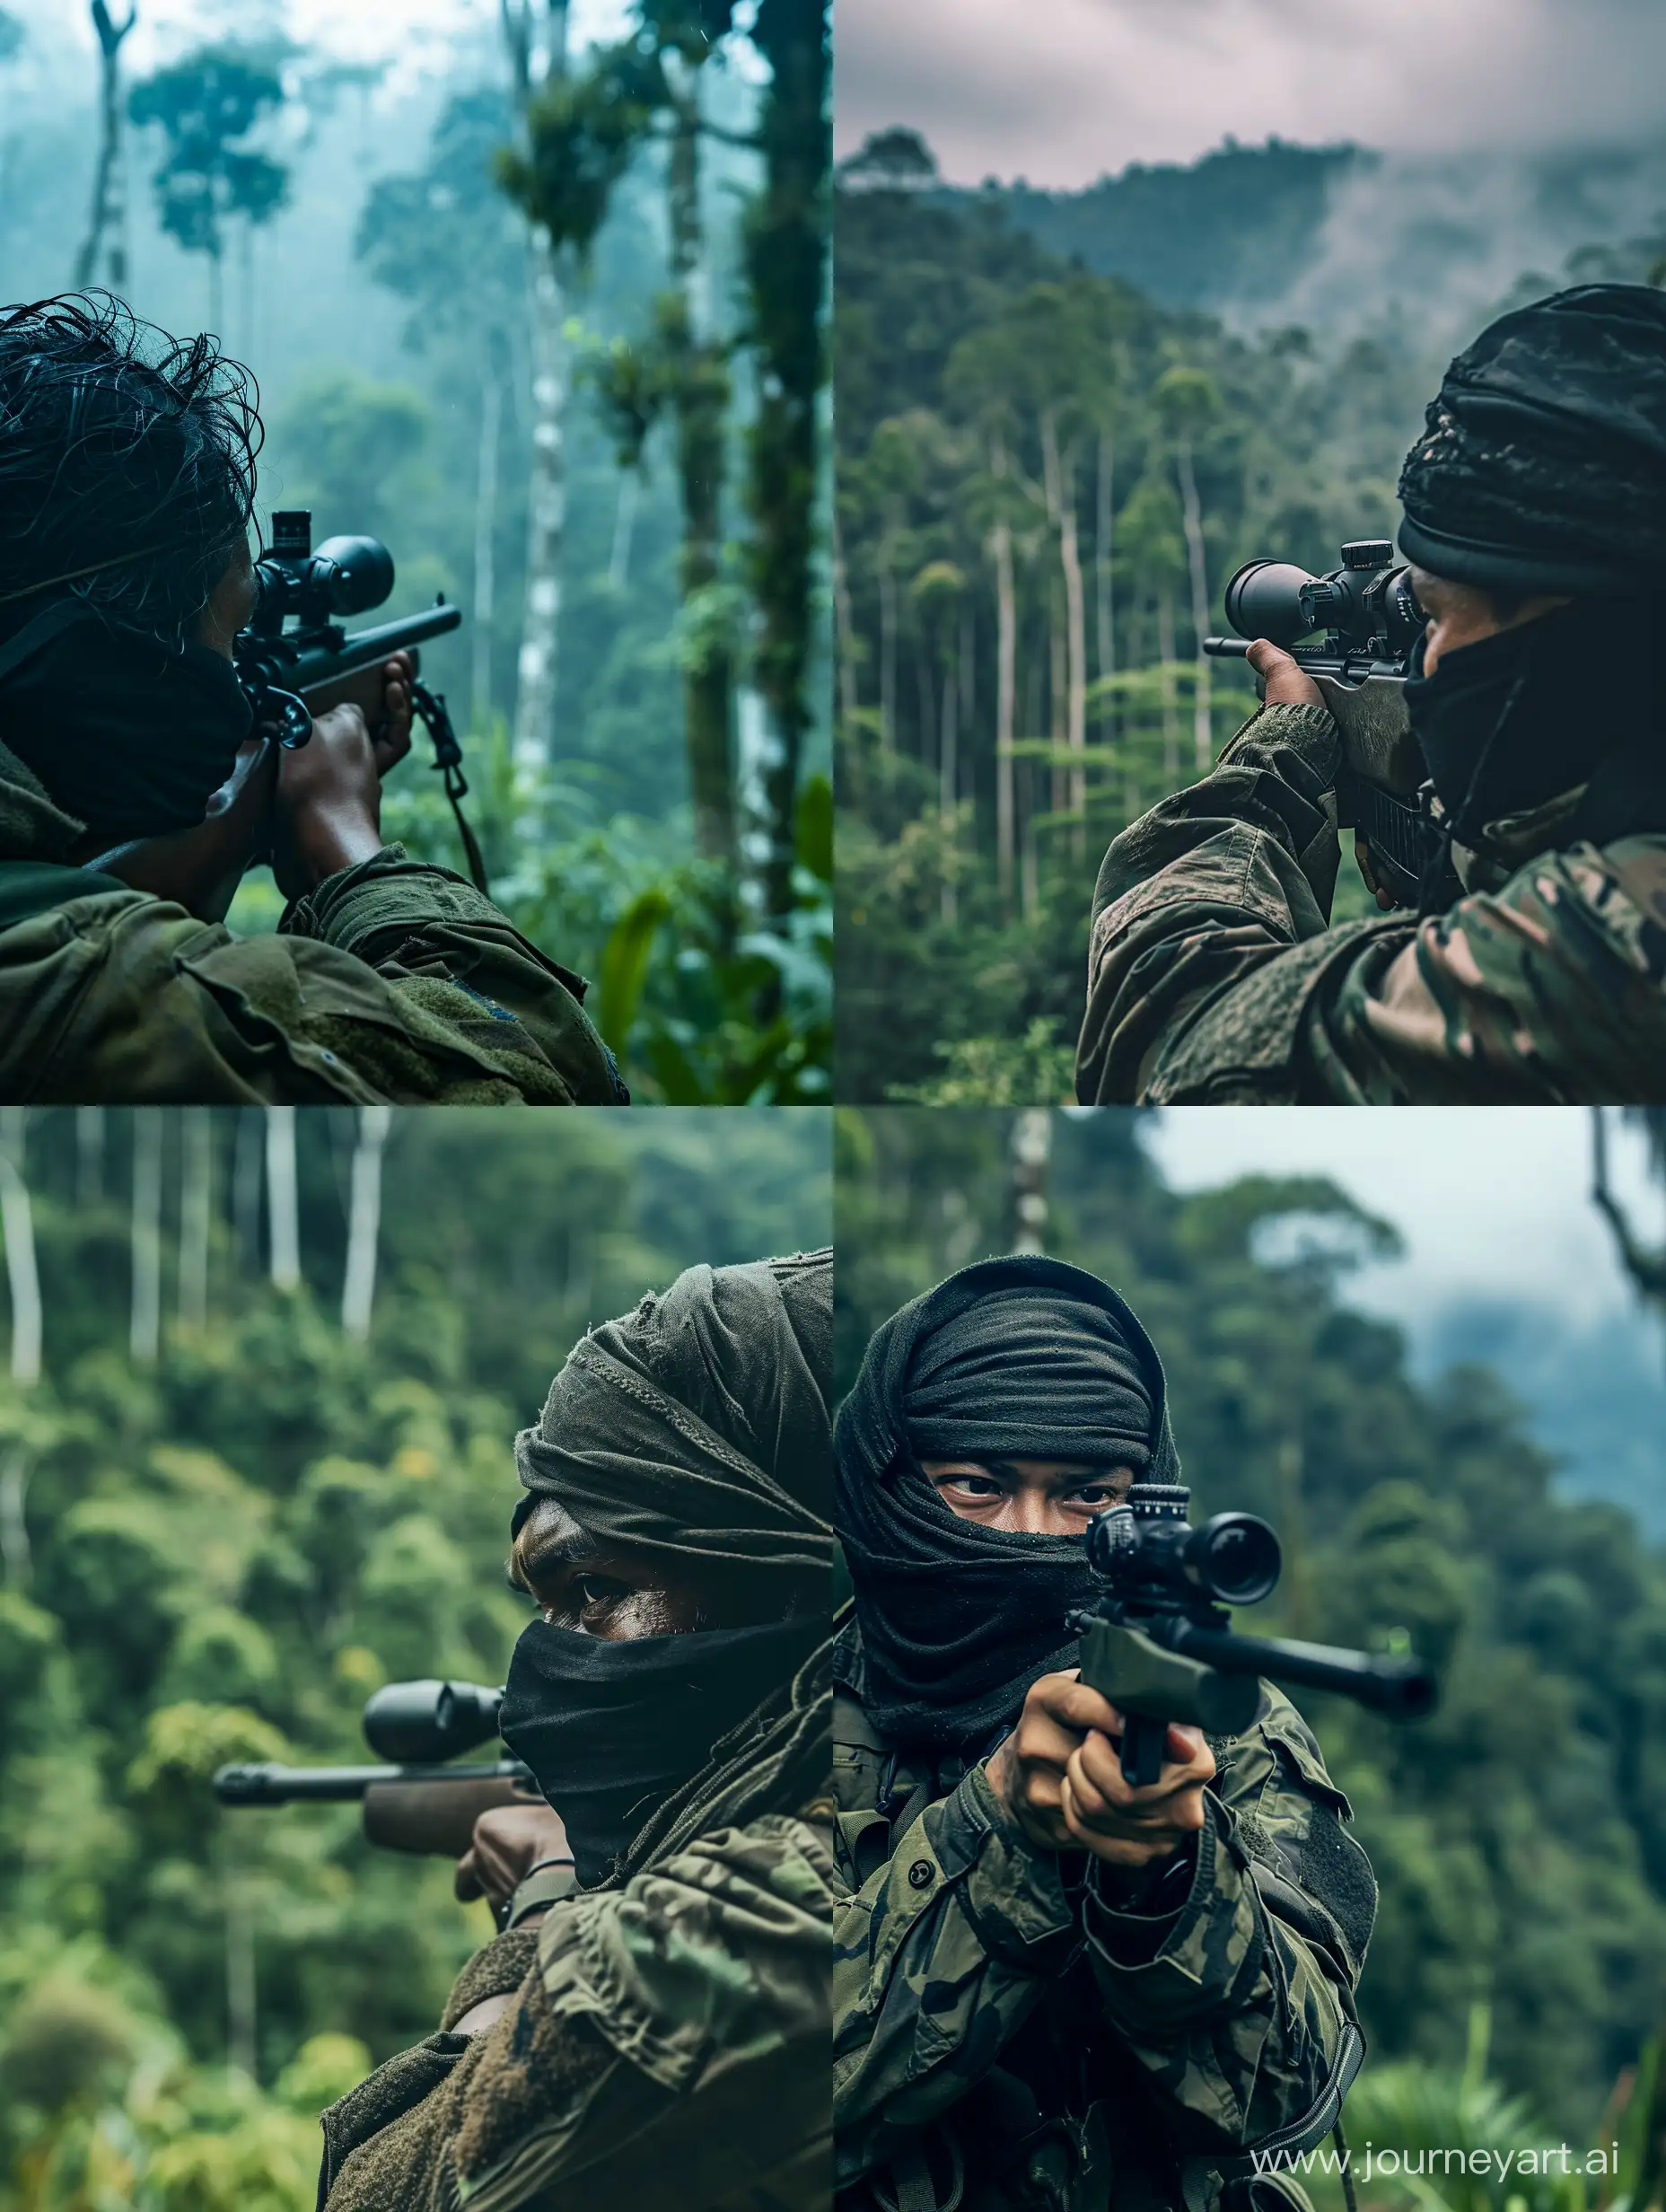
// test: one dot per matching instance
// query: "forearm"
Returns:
(454, 957)
(1231, 2013)
(1205, 889)
(967, 1908)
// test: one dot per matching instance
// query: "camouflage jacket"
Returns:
(1212, 977)
(392, 983)
(1007, 2039)
(665, 2048)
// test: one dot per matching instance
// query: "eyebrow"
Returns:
(569, 1549)
(1095, 1471)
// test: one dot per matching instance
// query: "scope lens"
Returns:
(360, 572)
(1264, 600)
(1235, 1557)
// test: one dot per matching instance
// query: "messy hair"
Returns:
(127, 462)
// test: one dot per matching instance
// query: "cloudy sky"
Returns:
(1062, 90)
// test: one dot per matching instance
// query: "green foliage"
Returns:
(582, 130)
(205, 106)
(1019, 442)
(228, 1552)
(1519, 1836)
(351, 447)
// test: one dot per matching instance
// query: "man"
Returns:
(134, 791)
(1536, 523)
(1053, 1991)
(656, 2037)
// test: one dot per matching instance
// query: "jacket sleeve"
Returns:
(1212, 977)
(393, 982)
(668, 2048)
(1240, 2018)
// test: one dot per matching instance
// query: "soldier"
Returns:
(1535, 519)
(134, 791)
(1051, 1990)
(656, 2037)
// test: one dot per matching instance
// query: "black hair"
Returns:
(117, 440)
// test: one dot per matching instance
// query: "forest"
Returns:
(1512, 1991)
(546, 313)
(1044, 478)
(255, 1461)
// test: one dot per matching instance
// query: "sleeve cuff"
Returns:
(1023, 1901)
(1195, 1953)
(1309, 733)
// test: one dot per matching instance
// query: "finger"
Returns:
(1072, 1705)
(1264, 656)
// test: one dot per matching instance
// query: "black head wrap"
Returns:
(697, 1429)
(1542, 466)
(1017, 1358)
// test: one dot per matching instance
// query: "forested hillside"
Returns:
(1520, 1835)
(227, 1515)
(1044, 480)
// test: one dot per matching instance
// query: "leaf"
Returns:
(625, 963)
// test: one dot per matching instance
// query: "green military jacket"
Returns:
(392, 983)
(666, 2049)
(1212, 977)
(1008, 2038)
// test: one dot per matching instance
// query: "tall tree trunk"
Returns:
(1165, 648)
(282, 1198)
(1191, 517)
(145, 1318)
(358, 1288)
(1030, 1146)
(196, 1212)
(534, 56)
(888, 648)
(1060, 479)
(1104, 609)
(702, 393)
(625, 498)
(89, 1155)
(786, 259)
(17, 1225)
(248, 1171)
(107, 218)
(845, 637)
(240, 1998)
(1005, 700)
(947, 791)
(486, 538)
(1058, 703)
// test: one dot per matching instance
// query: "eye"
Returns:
(599, 1590)
(1094, 1495)
(974, 1486)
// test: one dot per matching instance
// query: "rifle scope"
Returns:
(420, 1724)
(1366, 607)
(1147, 1546)
(344, 576)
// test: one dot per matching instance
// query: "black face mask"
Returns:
(1516, 719)
(611, 1729)
(131, 739)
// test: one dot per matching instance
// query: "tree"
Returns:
(787, 262)
(107, 219)
(1187, 400)
(206, 108)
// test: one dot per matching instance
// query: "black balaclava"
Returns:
(1518, 718)
(1020, 1358)
(695, 1428)
(130, 736)
(1542, 468)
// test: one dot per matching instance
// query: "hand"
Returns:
(1285, 682)
(1362, 855)
(1060, 1775)
(382, 695)
(200, 868)
(509, 1841)
(328, 809)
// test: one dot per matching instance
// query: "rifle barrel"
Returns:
(364, 648)
(268, 1784)
(1402, 1687)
